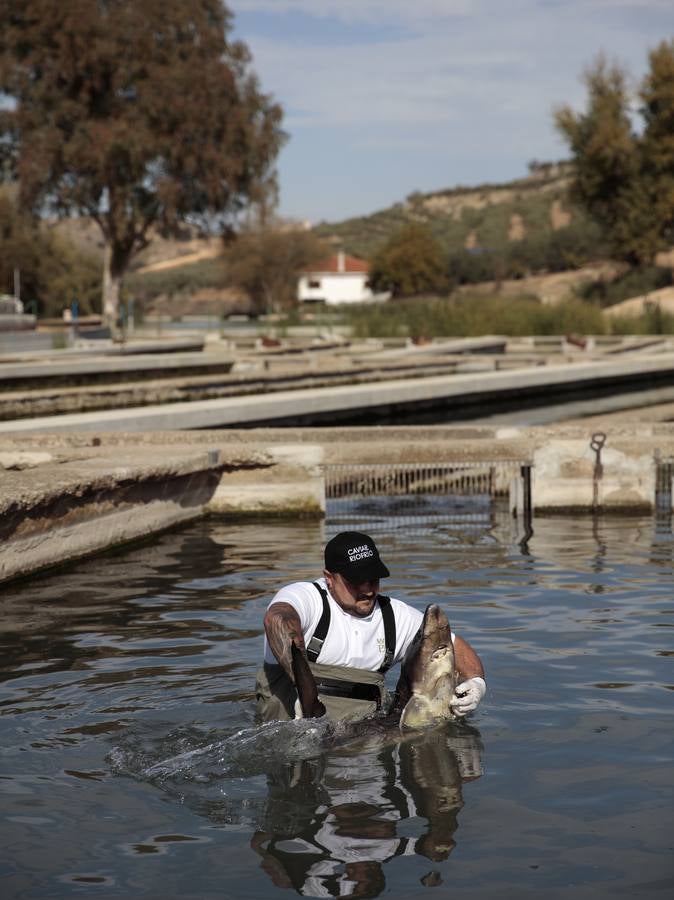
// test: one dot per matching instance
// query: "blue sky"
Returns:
(386, 97)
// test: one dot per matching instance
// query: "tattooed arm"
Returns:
(283, 628)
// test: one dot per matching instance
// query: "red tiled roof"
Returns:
(332, 265)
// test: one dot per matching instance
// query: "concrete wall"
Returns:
(63, 496)
(566, 476)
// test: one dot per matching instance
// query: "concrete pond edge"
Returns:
(68, 496)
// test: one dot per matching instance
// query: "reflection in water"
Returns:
(339, 802)
(348, 819)
(598, 564)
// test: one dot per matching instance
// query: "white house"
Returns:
(339, 279)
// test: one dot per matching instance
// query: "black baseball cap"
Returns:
(355, 556)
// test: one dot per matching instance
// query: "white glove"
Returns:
(467, 695)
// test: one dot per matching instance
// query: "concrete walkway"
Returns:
(116, 366)
(567, 381)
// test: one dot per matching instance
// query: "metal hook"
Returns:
(598, 441)
(596, 444)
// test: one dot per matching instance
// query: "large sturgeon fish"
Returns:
(425, 686)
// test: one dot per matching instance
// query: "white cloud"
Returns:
(467, 83)
(419, 11)
(365, 11)
(413, 80)
(373, 85)
(637, 5)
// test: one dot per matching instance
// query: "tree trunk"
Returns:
(111, 288)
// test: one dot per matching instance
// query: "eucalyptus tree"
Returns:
(142, 114)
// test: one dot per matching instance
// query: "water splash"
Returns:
(191, 753)
(222, 776)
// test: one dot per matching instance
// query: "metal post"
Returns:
(525, 473)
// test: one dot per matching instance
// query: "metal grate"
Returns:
(386, 480)
(441, 491)
(472, 501)
(493, 479)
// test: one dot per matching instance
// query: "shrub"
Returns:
(652, 321)
(411, 262)
(473, 316)
(634, 283)
(208, 273)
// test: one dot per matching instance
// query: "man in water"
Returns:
(351, 634)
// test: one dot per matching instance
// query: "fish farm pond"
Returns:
(132, 764)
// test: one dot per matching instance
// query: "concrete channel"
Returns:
(77, 484)
(109, 368)
(463, 396)
(64, 496)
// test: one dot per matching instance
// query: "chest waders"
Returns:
(347, 692)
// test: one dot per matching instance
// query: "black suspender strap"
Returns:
(389, 632)
(315, 645)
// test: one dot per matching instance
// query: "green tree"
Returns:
(411, 262)
(625, 178)
(657, 96)
(141, 114)
(266, 262)
(53, 272)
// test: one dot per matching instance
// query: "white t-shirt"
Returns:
(351, 640)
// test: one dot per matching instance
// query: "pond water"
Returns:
(131, 764)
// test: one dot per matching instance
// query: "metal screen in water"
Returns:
(390, 494)
(392, 480)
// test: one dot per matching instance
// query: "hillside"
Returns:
(491, 233)
(486, 217)
(186, 248)
(523, 236)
